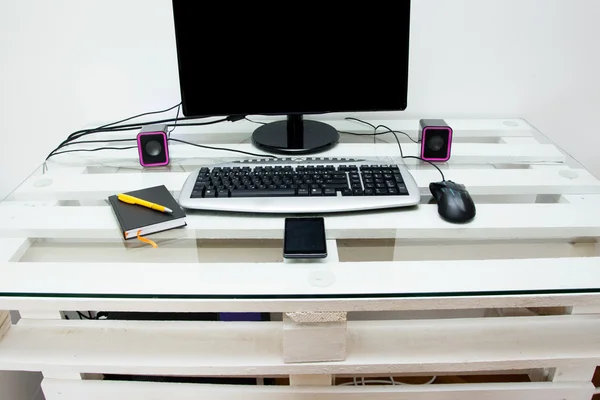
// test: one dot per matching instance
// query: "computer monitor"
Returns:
(292, 59)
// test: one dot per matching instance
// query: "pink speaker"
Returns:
(153, 146)
(436, 140)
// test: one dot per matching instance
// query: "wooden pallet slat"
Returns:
(97, 390)
(493, 221)
(265, 280)
(461, 152)
(11, 249)
(478, 181)
(389, 347)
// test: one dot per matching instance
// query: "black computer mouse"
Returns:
(454, 201)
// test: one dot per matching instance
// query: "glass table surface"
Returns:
(534, 234)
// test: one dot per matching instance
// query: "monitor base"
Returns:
(295, 136)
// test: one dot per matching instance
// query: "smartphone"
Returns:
(304, 238)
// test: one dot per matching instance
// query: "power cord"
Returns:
(133, 127)
(222, 148)
(176, 119)
(72, 140)
(375, 133)
(391, 381)
(255, 122)
(127, 119)
(393, 132)
(112, 126)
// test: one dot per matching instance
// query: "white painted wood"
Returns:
(90, 390)
(57, 374)
(12, 249)
(519, 140)
(270, 250)
(17, 385)
(461, 152)
(405, 250)
(573, 373)
(311, 380)
(313, 342)
(410, 278)
(581, 198)
(590, 309)
(214, 348)
(493, 221)
(89, 302)
(479, 181)
(566, 345)
(39, 314)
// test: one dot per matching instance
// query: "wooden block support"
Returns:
(311, 380)
(314, 342)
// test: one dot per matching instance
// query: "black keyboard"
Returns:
(299, 186)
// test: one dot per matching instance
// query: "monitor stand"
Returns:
(295, 136)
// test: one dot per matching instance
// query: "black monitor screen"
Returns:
(291, 58)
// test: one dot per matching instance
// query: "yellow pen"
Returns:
(125, 198)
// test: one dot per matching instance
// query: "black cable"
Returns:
(176, 118)
(90, 150)
(427, 161)
(99, 141)
(125, 128)
(136, 116)
(82, 132)
(256, 122)
(361, 121)
(221, 148)
(216, 121)
(381, 126)
(396, 131)
(399, 147)
(108, 128)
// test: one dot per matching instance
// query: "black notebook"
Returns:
(133, 218)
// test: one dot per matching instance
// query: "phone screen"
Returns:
(304, 238)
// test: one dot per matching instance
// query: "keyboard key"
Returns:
(347, 192)
(329, 192)
(223, 193)
(402, 189)
(381, 192)
(263, 193)
(303, 192)
(316, 192)
(210, 193)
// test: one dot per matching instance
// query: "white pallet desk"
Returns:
(517, 289)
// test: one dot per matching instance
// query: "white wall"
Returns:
(66, 63)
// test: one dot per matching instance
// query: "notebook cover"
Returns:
(131, 216)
